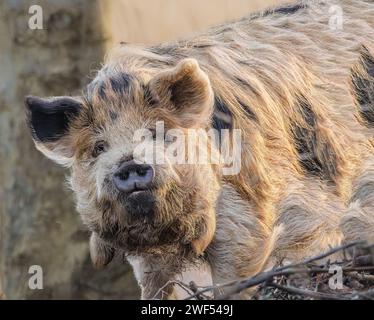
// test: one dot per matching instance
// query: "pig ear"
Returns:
(49, 121)
(186, 90)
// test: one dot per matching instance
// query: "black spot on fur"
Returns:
(317, 156)
(307, 113)
(285, 10)
(50, 119)
(289, 9)
(113, 115)
(363, 84)
(305, 140)
(203, 45)
(148, 96)
(120, 82)
(222, 116)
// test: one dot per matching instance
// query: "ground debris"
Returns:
(350, 278)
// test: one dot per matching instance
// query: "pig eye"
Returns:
(99, 148)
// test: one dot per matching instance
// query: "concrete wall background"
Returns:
(38, 222)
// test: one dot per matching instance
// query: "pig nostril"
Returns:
(124, 175)
(141, 172)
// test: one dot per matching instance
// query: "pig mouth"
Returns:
(139, 203)
(139, 225)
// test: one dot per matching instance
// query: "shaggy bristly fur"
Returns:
(302, 93)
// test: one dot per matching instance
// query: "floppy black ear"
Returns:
(49, 120)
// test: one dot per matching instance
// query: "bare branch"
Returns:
(267, 279)
(308, 293)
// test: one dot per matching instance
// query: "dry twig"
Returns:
(310, 271)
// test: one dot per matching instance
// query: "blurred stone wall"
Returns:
(153, 21)
(38, 222)
(39, 225)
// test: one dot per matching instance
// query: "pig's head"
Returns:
(128, 204)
